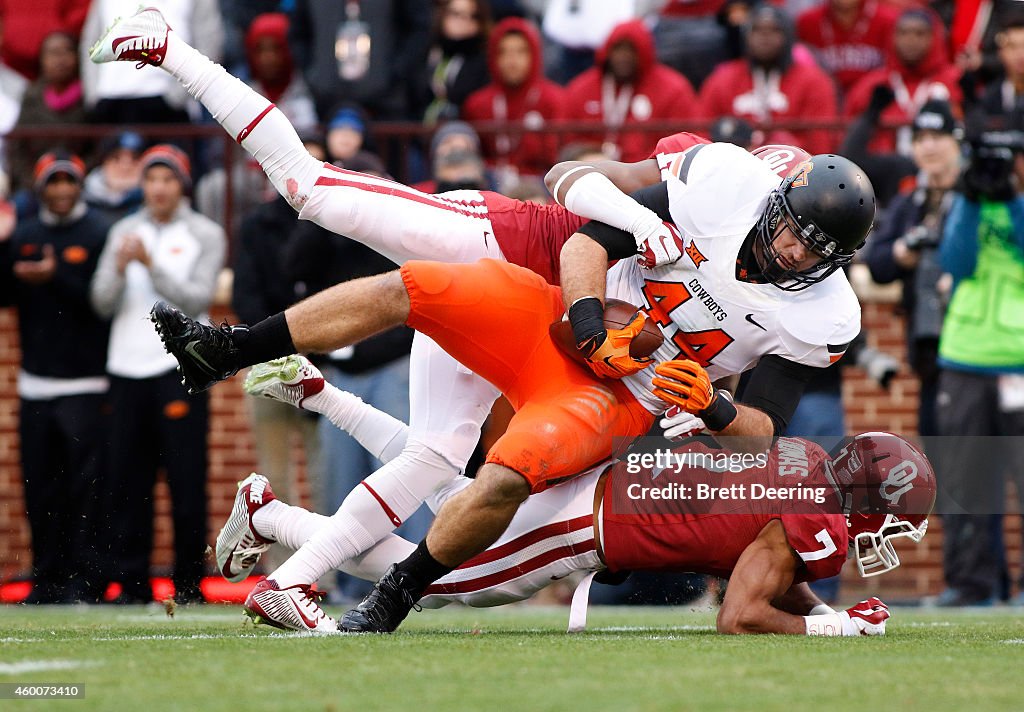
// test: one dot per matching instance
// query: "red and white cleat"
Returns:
(238, 546)
(140, 38)
(293, 608)
(290, 380)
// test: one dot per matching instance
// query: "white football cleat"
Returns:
(294, 608)
(140, 38)
(290, 380)
(238, 545)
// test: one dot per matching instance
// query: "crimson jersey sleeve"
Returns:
(820, 540)
(677, 143)
(817, 532)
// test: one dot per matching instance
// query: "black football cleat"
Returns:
(205, 354)
(383, 609)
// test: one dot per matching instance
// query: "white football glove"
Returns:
(658, 244)
(866, 618)
(679, 424)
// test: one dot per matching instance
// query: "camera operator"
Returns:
(981, 355)
(906, 245)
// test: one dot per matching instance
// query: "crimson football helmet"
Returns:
(780, 157)
(887, 489)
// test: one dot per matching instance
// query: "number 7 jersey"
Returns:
(705, 310)
(711, 504)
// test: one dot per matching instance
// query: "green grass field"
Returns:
(206, 658)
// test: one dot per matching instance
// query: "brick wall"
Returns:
(231, 457)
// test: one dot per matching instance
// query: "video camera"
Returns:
(990, 159)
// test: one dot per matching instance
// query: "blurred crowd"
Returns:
(98, 222)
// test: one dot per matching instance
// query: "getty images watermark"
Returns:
(711, 480)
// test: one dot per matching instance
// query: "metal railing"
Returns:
(394, 141)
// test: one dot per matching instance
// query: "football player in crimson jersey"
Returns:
(448, 403)
(876, 489)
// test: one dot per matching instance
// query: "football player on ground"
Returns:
(558, 392)
(878, 488)
(403, 224)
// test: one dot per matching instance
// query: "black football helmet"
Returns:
(829, 204)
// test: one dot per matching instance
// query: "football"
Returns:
(617, 315)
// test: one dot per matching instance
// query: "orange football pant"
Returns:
(493, 317)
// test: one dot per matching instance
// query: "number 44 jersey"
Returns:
(706, 310)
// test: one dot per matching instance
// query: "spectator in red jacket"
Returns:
(518, 92)
(626, 89)
(768, 86)
(849, 37)
(917, 69)
(26, 24)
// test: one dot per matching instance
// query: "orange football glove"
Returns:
(685, 384)
(611, 358)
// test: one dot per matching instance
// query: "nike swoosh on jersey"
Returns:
(750, 318)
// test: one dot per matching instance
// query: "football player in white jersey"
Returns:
(759, 286)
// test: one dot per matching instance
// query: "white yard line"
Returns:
(25, 666)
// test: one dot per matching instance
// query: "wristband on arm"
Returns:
(720, 414)
(586, 315)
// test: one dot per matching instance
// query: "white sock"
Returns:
(382, 435)
(369, 513)
(288, 525)
(292, 526)
(249, 118)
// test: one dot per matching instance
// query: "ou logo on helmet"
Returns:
(778, 159)
(900, 479)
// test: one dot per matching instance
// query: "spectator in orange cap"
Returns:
(45, 268)
(165, 251)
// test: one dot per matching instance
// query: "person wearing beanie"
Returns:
(114, 187)
(46, 267)
(165, 251)
(450, 137)
(905, 246)
(767, 86)
(346, 132)
(453, 135)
